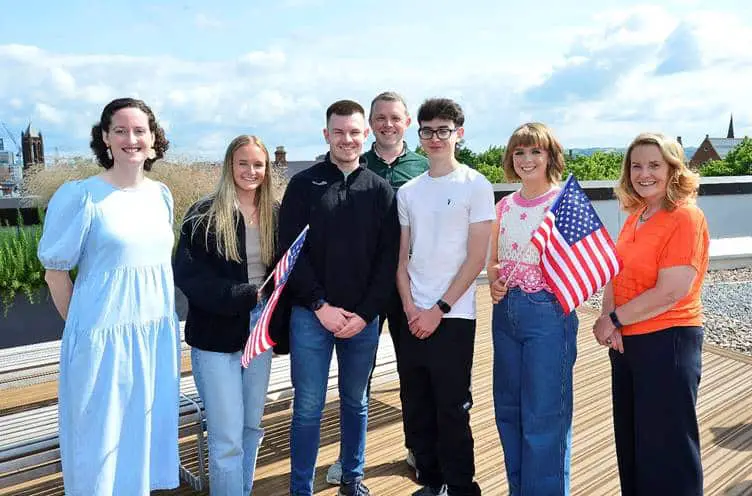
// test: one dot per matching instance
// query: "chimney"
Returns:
(280, 157)
(730, 133)
(678, 140)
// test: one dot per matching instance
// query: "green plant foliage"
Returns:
(20, 269)
(718, 168)
(739, 160)
(599, 165)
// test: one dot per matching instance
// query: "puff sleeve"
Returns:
(169, 203)
(66, 226)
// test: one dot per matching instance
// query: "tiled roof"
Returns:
(724, 145)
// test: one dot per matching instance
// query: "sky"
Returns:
(598, 72)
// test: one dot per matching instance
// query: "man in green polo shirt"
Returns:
(390, 158)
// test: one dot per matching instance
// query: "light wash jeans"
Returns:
(311, 347)
(535, 347)
(234, 400)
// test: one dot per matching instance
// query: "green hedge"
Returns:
(20, 269)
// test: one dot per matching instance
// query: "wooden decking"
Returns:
(725, 412)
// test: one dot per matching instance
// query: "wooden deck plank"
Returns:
(724, 410)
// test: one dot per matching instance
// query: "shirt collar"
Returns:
(401, 155)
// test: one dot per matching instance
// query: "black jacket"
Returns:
(350, 255)
(219, 296)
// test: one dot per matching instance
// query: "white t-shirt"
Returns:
(439, 212)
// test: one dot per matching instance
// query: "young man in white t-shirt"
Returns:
(445, 216)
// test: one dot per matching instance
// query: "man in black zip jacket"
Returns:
(340, 283)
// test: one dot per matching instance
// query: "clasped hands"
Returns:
(340, 322)
(423, 322)
(607, 334)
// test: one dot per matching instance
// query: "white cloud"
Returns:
(48, 113)
(595, 84)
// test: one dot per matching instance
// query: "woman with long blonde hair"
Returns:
(226, 250)
(652, 320)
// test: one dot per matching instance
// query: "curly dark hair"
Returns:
(441, 108)
(98, 146)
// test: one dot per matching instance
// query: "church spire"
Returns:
(731, 127)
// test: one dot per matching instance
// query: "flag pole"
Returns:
(272, 274)
(514, 269)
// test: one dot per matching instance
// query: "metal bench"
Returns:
(29, 445)
(30, 448)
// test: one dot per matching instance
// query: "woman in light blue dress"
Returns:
(119, 360)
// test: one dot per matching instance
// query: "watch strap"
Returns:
(615, 320)
(443, 306)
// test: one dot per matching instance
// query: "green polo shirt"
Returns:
(405, 167)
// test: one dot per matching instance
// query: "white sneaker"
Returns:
(334, 474)
(410, 459)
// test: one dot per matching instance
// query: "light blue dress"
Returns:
(119, 359)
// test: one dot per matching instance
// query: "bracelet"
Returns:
(615, 320)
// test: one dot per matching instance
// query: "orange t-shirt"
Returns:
(667, 239)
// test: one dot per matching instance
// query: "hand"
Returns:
(333, 318)
(498, 290)
(411, 312)
(426, 322)
(603, 329)
(617, 343)
(354, 325)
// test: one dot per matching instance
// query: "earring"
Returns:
(109, 153)
(152, 154)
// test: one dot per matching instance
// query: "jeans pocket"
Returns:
(545, 304)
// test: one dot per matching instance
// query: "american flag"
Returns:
(260, 341)
(578, 256)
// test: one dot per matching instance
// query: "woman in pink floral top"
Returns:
(535, 343)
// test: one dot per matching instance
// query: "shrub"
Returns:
(20, 269)
(720, 168)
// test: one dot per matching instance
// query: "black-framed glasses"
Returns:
(443, 133)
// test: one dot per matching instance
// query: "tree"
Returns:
(465, 155)
(739, 159)
(599, 165)
(717, 168)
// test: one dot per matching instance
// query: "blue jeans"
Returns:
(234, 400)
(535, 347)
(311, 347)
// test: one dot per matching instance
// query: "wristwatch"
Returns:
(444, 306)
(316, 305)
(615, 320)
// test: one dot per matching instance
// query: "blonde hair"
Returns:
(222, 215)
(682, 183)
(535, 134)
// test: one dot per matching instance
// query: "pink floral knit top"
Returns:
(518, 219)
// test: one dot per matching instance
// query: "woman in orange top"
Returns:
(652, 321)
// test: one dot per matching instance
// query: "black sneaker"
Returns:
(353, 489)
(431, 491)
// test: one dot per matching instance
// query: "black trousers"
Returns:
(436, 400)
(397, 322)
(654, 388)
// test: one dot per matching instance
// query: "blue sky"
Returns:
(597, 72)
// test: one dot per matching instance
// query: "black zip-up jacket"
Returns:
(350, 255)
(219, 296)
